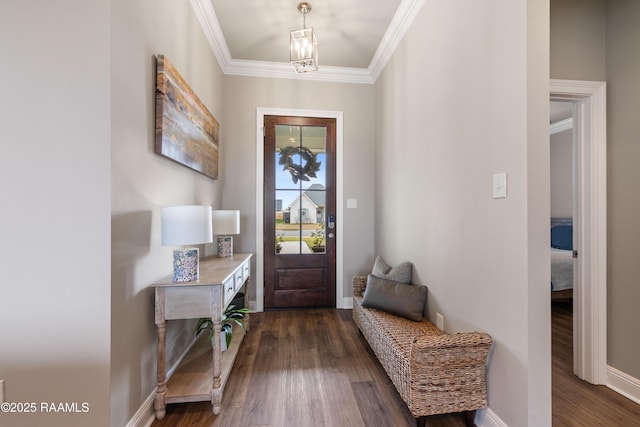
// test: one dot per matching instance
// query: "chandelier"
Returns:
(303, 45)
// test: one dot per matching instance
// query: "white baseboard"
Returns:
(488, 418)
(618, 381)
(623, 384)
(145, 414)
(347, 303)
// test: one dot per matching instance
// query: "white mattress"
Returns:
(561, 269)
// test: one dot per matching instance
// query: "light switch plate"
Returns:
(500, 185)
(352, 203)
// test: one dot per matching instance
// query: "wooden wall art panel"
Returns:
(185, 129)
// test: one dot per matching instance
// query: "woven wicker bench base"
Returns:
(434, 373)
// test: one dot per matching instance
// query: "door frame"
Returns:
(267, 111)
(590, 221)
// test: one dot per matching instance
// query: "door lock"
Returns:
(332, 222)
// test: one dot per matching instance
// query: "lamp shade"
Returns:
(186, 225)
(226, 222)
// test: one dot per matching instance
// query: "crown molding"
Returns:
(283, 70)
(208, 20)
(399, 25)
(561, 126)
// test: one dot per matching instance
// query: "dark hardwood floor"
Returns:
(576, 402)
(304, 368)
(313, 368)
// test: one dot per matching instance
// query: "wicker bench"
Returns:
(434, 372)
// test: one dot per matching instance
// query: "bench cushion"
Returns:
(400, 273)
(397, 298)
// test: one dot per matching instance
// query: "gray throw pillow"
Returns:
(400, 273)
(396, 298)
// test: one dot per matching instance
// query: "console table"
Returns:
(203, 372)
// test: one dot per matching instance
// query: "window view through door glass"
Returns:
(300, 189)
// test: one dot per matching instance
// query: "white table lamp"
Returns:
(182, 226)
(224, 224)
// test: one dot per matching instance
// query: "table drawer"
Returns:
(228, 290)
(246, 269)
(241, 275)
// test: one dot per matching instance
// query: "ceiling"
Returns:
(355, 37)
(559, 111)
(560, 116)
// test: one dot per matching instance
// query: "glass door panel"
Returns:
(300, 189)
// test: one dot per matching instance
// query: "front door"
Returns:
(299, 212)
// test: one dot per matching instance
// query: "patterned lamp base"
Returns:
(186, 265)
(225, 246)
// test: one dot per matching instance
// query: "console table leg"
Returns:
(160, 405)
(216, 400)
(246, 303)
(216, 354)
(216, 385)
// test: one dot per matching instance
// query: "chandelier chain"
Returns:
(304, 8)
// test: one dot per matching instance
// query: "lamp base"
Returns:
(225, 246)
(186, 265)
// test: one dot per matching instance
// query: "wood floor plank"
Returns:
(576, 402)
(236, 391)
(370, 401)
(300, 399)
(267, 377)
(313, 367)
(338, 400)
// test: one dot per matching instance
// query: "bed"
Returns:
(561, 258)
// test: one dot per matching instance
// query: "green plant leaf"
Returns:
(239, 323)
(230, 316)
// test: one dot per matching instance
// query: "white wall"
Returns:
(607, 39)
(143, 182)
(54, 181)
(562, 174)
(623, 71)
(578, 46)
(466, 96)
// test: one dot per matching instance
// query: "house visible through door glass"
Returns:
(300, 189)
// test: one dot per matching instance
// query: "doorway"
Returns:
(300, 218)
(589, 223)
(261, 112)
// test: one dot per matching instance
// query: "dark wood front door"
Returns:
(299, 212)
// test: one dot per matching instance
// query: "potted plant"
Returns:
(231, 316)
(279, 241)
(318, 238)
